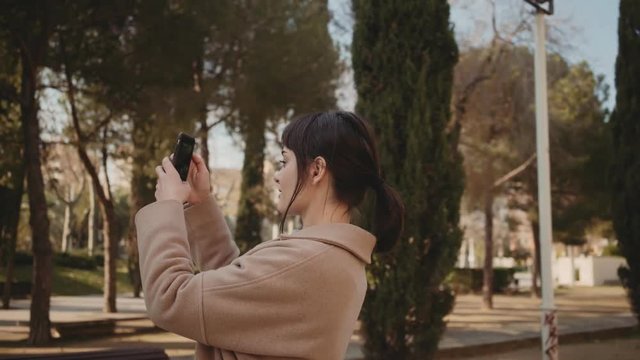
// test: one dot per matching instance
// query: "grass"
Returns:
(74, 282)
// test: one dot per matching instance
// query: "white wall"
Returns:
(591, 271)
(606, 268)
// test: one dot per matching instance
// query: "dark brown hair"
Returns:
(346, 142)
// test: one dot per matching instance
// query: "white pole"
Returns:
(548, 318)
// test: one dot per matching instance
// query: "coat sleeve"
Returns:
(258, 300)
(209, 237)
(172, 293)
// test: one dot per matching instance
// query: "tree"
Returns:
(581, 148)
(403, 58)
(11, 162)
(289, 66)
(486, 113)
(156, 88)
(27, 27)
(625, 129)
(86, 36)
(68, 184)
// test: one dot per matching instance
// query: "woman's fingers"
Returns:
(159, 171)
(168, 166)
(199, 162)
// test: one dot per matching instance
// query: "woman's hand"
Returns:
(199, 180)
(169, 185)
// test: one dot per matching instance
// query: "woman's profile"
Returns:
(297, 296)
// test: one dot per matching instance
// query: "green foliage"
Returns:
(625, 128)
(68, 281)
(67, 260)
(463, 280)
(580, 149)
(403, 59)
(23, 258)
(75, 261)
(611, 250)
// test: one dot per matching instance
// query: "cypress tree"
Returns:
(625, 125)
(404, 54)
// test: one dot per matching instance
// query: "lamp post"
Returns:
(549, 326)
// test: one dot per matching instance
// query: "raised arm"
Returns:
(208, 234)
(209, 237)
(264, 298)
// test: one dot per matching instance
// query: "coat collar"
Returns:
(352, 238)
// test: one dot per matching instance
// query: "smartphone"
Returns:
(182, 154)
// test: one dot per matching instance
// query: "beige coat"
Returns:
(295, 297)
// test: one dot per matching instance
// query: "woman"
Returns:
(297, 296)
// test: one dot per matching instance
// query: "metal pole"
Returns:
(548, 318)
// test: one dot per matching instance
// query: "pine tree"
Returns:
(289, 67)
(625, 124)
(403, 58)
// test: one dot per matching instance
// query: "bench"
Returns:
(85, 328)
(89, 328)
(140, 353)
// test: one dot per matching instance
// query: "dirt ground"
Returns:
(618, 349)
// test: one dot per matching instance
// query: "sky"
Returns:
(587, 30)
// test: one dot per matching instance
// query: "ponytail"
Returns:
(389, 216)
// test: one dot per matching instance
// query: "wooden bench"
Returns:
(85, 328)
(89, 328)
(146, 353)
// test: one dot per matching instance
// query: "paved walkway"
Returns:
(583, 313)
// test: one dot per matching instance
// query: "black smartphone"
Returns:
(182, 154)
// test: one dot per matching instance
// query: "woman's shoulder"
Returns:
(349, 237)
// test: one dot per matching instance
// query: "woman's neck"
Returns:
(328, 214)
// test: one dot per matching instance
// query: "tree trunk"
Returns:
(91, 226)
(39, 323)
(108, 226)
(535, 288)
(467, 253)
(6, 292)
(104, 195)
(138, 180)
(64, 247)
(11, 234)
(487, 284)
(249, 223)
(108, 231)
(142, 193)
(110, 256)
(204, 137)
(133, 263)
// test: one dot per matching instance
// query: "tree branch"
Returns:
(513, 173)
(100, 125)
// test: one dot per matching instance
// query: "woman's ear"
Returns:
(318, 169)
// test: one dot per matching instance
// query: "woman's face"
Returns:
(286, 178)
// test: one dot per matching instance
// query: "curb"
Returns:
(510, 345)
